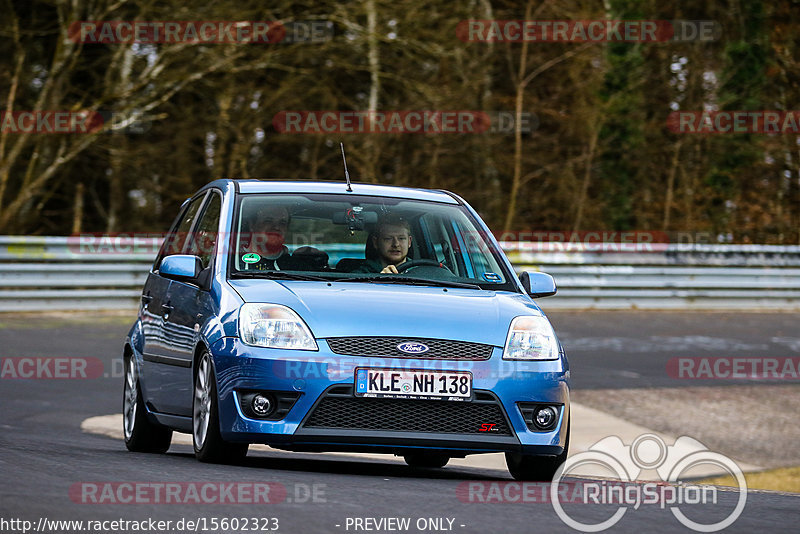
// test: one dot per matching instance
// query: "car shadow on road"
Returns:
(301, 462)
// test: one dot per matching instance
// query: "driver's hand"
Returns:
(389, 269)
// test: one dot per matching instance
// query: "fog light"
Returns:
(262, 405)
(545, 417)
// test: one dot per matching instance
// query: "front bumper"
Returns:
(240, 367)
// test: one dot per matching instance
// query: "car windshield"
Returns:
(363, 239)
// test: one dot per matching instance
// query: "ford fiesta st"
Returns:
(316, 316)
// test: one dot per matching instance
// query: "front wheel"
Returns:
(141, 435)
(536, 468)
(208, 443)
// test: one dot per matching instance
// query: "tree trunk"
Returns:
(671, 184)
(77, 209)
(518, 103)
(373, 57)
(587, 175)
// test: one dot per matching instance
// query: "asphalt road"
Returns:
(47, 463)
(631, 349)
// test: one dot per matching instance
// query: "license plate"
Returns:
(419, 384)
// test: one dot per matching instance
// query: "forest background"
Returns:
(596, 154)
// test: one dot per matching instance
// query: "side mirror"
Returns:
(181, 267)
(537, 284)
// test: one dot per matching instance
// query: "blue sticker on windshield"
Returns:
(492, 277)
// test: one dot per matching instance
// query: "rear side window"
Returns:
(176, 239)
(203, 239)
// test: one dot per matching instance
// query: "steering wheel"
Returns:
(421, 263)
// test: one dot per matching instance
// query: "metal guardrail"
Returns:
(58, 273)
(653, 254)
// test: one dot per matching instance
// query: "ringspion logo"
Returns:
(673, 463)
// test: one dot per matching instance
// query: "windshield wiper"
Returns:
(278, 275)
(387, 279)
(394, 279)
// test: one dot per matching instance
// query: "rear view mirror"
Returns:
(181, 267)
(538, 284)
(354, 218)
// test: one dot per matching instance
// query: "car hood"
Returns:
(342, 309)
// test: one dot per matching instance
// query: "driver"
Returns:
(391, 240)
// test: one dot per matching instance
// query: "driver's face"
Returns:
(392, 243)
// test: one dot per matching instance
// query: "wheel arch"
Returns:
(127, 351)
(199, 349)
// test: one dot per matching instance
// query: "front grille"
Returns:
(438, 349)
(339, 409)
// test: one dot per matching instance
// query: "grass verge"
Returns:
(783, 479)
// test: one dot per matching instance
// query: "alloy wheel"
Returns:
(202, 402)
(129, 404)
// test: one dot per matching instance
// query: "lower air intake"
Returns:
(341, 410)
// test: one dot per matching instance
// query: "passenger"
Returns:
(266, 249)
(263, 246)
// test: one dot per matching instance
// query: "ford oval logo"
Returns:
(411, 347)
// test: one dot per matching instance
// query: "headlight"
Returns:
(531, 338)
(274, 326)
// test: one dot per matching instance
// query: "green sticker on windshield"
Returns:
(251, 257)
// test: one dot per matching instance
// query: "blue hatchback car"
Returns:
(319, 316)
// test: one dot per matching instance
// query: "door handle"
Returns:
(146, 299)
(167, 307)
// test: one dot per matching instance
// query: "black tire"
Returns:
(536, 468)
(141, 435)
(209, 446)
(426, 460)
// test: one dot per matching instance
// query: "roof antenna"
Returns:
(346, 174)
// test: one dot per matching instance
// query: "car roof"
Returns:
(340, 187)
